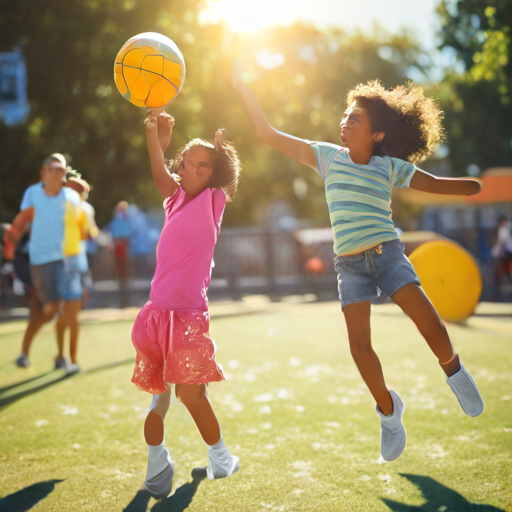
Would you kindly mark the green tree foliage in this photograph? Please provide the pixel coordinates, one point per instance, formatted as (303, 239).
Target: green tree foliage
(477, 102)
(299, 74)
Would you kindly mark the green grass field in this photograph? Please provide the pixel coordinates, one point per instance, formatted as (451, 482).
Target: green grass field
(293, 408)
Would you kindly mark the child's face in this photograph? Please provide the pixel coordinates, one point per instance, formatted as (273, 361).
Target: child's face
(195, 170)
(53, 174)
(356, 129)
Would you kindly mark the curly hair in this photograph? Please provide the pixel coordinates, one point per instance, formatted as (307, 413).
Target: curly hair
(410, 120)
(225, 162)
(75, 181)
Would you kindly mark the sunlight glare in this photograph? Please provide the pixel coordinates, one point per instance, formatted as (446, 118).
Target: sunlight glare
(251, 15)
(392, 15)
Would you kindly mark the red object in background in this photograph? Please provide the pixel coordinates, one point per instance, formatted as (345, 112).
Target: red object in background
(315, 266)
(121, 251)
(8, 247)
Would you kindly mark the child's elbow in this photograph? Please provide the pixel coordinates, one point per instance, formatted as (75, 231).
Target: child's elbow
(476, 187)
(265, 134)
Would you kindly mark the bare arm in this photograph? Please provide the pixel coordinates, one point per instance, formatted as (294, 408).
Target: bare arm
(19, 223)
(291, 146)
(156, 130)
(426, 182)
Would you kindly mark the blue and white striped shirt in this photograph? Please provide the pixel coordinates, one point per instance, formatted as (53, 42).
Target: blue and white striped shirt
(359, 196)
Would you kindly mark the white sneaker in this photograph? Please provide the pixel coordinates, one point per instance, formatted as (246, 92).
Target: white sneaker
(73, 368)
(161, 485)
(466, 391)
(392, 431)
(221, 463)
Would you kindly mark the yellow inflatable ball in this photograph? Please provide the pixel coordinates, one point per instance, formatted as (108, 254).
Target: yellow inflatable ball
(149, 70)
(450, 277)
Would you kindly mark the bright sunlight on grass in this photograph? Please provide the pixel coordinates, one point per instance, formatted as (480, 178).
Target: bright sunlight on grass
(293, 408)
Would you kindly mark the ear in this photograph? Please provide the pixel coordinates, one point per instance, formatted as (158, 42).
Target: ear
(378, 136)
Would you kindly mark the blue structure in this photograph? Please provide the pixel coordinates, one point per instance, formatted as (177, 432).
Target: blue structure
(14, 104)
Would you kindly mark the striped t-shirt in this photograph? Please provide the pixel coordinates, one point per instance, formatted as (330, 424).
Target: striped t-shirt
(359, 196)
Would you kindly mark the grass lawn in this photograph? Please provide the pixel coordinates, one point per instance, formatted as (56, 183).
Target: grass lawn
(293, 408)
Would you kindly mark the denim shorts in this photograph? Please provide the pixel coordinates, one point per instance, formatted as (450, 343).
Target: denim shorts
(73, 289)
(49, 281)
(381, 269)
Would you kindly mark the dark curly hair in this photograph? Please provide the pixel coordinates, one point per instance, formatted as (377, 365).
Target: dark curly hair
(225, 162)
(410, 120)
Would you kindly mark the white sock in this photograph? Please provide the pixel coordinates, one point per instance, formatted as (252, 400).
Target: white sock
(220, 461)
(158, 459)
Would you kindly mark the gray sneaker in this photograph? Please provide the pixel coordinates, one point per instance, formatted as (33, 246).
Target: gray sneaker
(60, 362)
(466, 391)
(392, 431)
(161, 485)
(22, 361)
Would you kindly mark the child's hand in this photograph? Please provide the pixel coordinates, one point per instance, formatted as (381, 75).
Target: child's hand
(151, 124)
(165, 126)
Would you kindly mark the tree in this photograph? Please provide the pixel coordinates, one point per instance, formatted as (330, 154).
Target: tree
(300, 75)
(477, 101)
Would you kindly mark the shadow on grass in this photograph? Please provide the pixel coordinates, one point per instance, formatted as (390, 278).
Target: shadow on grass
(41, 382)
(22, 382)
(438, 497)
(27, 498)
(177, 502)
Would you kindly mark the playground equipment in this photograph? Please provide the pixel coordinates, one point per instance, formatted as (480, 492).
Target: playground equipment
(449, 276)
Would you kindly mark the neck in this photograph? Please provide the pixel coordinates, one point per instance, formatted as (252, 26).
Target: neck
(53, 189)
(362, 156)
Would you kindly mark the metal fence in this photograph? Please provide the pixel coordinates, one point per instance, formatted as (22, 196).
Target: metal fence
(255, 260)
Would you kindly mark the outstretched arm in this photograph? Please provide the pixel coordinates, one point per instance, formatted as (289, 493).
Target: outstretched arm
(426, 182)
(19, 223)
(296, 148)
(158, 134)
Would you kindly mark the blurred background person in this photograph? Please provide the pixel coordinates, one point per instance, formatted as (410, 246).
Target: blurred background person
(22, 266)
(121, 232)
(77, 273)
(57, 227)
(502, 254)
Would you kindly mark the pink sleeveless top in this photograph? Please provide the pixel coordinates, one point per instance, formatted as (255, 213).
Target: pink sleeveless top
(185, 250)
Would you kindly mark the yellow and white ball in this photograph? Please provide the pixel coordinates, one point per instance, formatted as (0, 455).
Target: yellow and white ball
(149, 70)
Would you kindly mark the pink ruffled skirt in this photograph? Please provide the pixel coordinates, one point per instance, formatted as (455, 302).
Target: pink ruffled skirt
(173, 347)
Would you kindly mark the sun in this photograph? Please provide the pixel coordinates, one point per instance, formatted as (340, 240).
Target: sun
(250, 15)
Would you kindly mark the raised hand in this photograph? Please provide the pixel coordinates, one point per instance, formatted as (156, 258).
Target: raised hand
(151, 123)
(165, 126)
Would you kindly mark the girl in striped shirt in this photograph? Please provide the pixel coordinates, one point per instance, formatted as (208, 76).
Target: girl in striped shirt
(384, 133)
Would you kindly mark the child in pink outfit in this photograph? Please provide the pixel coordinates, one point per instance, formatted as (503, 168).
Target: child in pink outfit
(171, 332)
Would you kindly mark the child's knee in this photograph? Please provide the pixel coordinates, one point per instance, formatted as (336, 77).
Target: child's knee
(360, 348)
(188, 394)
(160, 404)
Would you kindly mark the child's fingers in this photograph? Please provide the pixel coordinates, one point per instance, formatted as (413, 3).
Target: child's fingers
(150, 122)
(168, 118)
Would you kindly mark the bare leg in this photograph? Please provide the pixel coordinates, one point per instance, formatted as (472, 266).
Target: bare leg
(60, 331)
(419, 309)
(154, 424)
(73, 307)
(195, 400)
(154, 429)
(35, 321)
(160, 471)
(357, 318)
